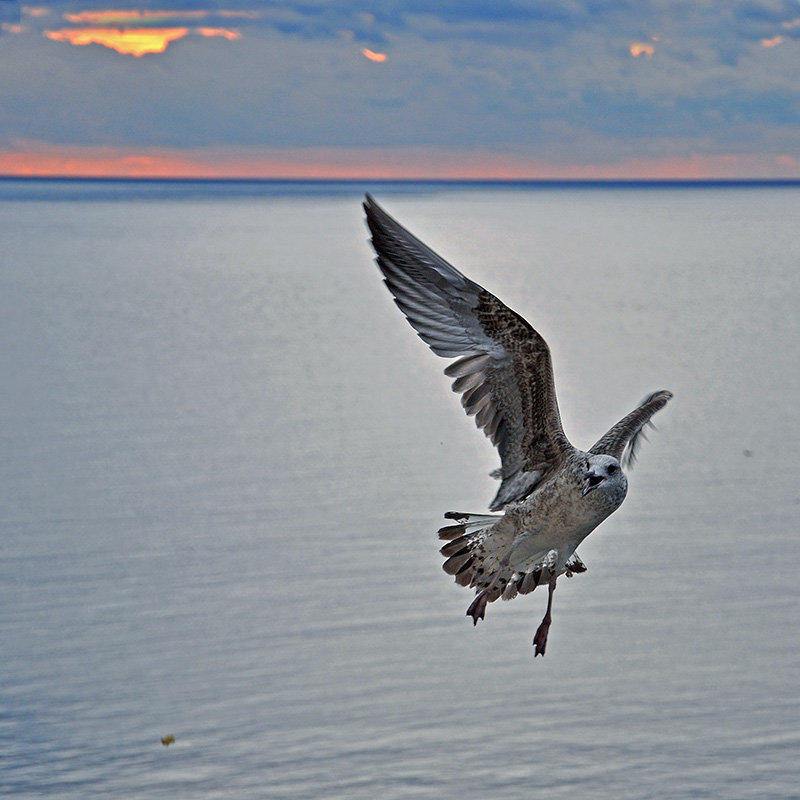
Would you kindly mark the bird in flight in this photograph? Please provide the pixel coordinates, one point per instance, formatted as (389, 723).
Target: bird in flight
(552, 494)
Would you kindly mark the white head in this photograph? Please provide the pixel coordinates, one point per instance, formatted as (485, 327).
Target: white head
(605, 475)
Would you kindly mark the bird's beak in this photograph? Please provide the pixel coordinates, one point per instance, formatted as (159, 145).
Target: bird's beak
(593, 480)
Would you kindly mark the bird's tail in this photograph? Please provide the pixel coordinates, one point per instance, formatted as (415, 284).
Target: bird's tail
(464, 551)
(476, 555)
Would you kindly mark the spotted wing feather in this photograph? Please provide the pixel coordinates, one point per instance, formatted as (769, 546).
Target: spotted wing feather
(503, 370)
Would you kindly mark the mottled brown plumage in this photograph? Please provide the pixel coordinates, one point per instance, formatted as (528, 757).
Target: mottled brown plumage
(553, 494)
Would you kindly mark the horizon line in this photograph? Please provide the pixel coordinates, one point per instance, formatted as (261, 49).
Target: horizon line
(765, 181)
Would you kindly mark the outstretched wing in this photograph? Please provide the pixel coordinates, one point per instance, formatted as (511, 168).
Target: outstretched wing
(629, 430)
(504, 372)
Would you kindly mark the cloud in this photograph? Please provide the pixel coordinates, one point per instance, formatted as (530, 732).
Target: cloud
(373, 56)
(35, 11)
(548, 82)
(642, 49)
(134, 41)
(225, 33)
(138, 33)
(132, 17)
(131, 41)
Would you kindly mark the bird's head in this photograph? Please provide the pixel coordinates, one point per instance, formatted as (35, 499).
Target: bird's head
(605, 474)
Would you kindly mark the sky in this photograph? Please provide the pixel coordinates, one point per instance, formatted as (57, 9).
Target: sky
(452, 89)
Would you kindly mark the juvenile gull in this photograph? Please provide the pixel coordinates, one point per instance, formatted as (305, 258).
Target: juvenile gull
(552, 495)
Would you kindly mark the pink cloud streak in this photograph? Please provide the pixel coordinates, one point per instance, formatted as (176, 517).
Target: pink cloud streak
(43, 160)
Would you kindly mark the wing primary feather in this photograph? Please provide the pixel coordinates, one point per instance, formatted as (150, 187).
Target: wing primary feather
(490, 429)
(476, 395)
(483, 416)
(467, 382)
(467, 365)
(626, 435)
(502, 366)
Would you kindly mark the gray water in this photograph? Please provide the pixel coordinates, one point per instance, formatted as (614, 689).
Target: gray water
(225, 455)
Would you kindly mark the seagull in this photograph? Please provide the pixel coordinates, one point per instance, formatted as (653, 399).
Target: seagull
(552, 494)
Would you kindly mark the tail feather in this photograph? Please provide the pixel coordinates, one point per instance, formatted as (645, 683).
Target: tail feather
(466, 524)
(457, 563)
(457, 546)
(477, 555)
(465, 552)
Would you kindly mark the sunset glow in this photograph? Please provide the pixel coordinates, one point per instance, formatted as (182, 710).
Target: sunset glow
(224, 32)
(642, 49)
(242, 89)
(373, 56)
(131, 41)
(40, 160)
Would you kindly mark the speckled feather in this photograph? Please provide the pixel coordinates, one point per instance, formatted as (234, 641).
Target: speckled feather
(552, 494)
(504, 370)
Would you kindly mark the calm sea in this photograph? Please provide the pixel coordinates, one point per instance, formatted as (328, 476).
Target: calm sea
(225, 455)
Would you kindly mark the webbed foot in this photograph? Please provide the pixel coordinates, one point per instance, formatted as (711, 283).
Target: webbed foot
(540, 638)
(477, 608)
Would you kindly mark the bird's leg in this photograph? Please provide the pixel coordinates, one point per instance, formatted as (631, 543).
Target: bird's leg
(477, 608)
(540, 639)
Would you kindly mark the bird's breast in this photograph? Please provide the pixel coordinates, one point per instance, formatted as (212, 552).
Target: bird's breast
(560, 516)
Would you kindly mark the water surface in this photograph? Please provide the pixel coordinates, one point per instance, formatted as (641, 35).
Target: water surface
(225, 456)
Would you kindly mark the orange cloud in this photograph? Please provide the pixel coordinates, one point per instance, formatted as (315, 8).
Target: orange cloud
(133, 41)
(642, 49)
(773, 42)
(372, 56)
(227, 34)
(10, 27)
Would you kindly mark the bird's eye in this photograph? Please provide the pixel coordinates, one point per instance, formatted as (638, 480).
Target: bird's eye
(612, 468)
